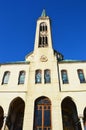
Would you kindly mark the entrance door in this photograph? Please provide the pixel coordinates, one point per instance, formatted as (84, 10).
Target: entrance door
(42, 114)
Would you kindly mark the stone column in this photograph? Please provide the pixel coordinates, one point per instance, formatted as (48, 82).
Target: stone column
(81, 121)
(56, 115)
(4, 122)
(29, 114)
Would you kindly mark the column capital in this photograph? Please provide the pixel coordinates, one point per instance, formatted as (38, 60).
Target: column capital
(5, 115)
(80, 116)
(81, 121)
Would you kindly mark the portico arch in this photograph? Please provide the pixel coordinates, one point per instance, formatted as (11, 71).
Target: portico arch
(69, 115)
(16, 114)
(1, 117)
(84, 117)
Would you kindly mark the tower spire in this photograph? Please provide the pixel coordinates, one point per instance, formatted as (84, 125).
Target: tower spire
(43, 13)
(43, 38)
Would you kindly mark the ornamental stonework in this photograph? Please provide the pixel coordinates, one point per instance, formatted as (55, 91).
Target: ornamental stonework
(43, 58)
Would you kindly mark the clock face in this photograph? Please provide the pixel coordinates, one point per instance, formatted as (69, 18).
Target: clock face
(44, 58)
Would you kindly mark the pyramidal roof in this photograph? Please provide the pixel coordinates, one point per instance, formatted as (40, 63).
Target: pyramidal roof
(43, 13)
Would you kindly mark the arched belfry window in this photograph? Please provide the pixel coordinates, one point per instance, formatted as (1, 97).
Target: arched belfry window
(6, 77)
(43, 37)
(38, 76)
(43, 41)
(81, 75)
(47, 76)
(42, 114)
(64, 76)
(21, 78)
(43, 27)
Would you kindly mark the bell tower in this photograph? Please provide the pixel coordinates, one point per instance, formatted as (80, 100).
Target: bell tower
(43, 48)
(43, 32)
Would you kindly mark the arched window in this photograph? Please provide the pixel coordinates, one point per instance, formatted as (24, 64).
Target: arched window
(38, 76)
(47, 77)
(42, 114)
(43, 27)
(64, 76)
(21, 77)
(43, 41)
(81, 76)
(43, 38)
(6, 77)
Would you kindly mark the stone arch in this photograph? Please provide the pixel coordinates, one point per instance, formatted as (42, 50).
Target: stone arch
(84, 117)
(43, 26)
(42, 113)
(1, 117)
(69, 115)
(16, 114)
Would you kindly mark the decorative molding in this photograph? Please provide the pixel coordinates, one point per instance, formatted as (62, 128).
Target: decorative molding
(44, 58)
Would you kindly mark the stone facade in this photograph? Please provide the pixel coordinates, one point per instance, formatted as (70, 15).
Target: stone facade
(60, 86)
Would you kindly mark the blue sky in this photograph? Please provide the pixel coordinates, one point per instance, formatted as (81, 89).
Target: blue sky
(18, 25)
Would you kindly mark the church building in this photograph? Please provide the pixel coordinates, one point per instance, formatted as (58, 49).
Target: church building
(44, 92)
